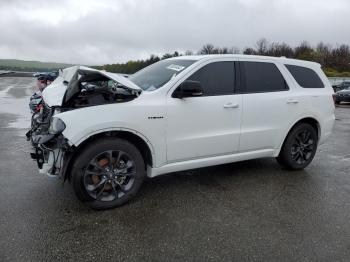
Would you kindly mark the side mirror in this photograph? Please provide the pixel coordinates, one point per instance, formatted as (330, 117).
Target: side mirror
(188, 89)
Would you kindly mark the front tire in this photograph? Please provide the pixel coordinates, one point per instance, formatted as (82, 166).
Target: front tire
(299, 148)
(108, 173)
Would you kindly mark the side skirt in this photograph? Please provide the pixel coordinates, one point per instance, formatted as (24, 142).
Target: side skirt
(211, 161)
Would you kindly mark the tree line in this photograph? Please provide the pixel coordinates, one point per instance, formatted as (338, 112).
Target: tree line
(335, 61)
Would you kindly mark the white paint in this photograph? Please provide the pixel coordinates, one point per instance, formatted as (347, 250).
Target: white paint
(201, 131)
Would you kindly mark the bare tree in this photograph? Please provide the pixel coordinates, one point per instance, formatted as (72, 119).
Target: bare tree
(207, 49)
(262, 46)
(341, 58)
(277, 49)
(304, 51)
(323, 54)
(249, 51)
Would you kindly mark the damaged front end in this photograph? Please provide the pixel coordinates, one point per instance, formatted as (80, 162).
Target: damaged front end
(75, 88)
(50, 148)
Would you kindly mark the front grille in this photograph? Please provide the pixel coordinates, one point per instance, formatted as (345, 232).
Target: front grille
(41, 120)
(46, 113)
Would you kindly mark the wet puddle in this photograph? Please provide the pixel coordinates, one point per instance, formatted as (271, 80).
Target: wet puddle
(14, 99)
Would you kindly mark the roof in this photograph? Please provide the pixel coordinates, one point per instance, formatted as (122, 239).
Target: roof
(282, 59)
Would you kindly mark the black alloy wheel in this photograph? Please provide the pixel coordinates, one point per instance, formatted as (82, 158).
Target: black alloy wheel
(299, 148)
(107, 173)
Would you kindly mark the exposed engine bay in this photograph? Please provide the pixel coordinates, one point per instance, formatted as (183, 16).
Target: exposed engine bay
(85, 87)
(98, 90)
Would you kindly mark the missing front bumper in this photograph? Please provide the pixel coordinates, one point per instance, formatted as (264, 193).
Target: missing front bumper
(49, 153)
(38, 156)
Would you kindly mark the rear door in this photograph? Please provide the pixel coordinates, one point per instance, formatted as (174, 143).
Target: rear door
(269, 104)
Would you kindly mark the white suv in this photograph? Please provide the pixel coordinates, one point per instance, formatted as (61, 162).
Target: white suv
(106, 133)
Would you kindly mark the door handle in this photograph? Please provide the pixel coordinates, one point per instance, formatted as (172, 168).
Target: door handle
(231, 105)
(292, 101)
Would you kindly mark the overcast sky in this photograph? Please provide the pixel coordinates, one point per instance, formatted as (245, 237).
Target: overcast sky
(110, 31)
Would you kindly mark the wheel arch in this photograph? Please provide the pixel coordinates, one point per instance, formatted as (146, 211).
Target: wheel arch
(309, 120)
(134, 138)
(313, 122)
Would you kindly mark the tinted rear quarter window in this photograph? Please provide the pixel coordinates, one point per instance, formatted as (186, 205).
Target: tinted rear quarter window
(261, 77)
(305, 77)
(216, 78)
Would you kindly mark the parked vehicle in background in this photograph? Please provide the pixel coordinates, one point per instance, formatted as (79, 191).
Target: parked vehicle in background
(52, 74)
(43, 80)
(180, 113)
(341, 86)
(35, 102)
(342, 96)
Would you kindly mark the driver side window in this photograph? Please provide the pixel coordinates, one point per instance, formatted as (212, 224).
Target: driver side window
(216, 78)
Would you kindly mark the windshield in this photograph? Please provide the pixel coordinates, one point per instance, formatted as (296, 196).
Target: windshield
(158, 74)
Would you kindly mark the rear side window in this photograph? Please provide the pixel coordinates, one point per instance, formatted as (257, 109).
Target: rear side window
(216, 78)
(261, 77)
(305, 77)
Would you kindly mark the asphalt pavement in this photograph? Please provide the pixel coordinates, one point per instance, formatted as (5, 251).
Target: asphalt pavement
(246, 211)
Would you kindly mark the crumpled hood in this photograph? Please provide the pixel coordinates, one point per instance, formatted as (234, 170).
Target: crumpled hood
(55, 93)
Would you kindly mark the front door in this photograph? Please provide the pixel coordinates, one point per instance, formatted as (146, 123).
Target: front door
(207, 125)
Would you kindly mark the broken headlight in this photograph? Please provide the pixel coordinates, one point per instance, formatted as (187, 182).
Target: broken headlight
(56, 126)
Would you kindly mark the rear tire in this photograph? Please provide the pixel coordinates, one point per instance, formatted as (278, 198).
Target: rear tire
(108, 173)
(299, 148)
(337, 102)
